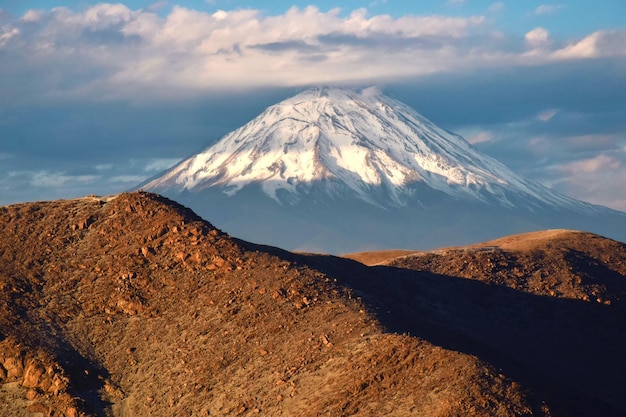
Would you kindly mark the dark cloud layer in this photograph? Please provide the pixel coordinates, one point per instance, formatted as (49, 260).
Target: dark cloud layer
(510, 94)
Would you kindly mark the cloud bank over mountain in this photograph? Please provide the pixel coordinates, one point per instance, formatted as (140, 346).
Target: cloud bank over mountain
(116, 52)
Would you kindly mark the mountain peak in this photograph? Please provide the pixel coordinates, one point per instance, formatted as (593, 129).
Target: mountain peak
(336, 94)
(341, 142)
(337, 170)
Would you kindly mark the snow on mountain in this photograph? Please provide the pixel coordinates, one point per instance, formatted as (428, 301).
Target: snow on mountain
(355, 141)
(337, 171)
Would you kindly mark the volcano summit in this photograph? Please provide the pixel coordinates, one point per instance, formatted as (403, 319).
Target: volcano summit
(336, 170)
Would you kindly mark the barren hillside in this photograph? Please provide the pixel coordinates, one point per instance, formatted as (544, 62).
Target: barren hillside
(134, 306)
(554, 301)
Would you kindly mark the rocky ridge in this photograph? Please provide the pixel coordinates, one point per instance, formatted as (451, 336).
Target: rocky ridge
(133, 305)
(555, 300)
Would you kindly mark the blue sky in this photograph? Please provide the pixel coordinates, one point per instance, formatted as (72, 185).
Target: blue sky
(566, 18)
(96, 97)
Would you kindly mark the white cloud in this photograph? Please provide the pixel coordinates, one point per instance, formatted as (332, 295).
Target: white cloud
(112, 51)
(597, 45)
(538, 144)
(6, 34)
(546, 115)
(46, 179)
(127, 180)
(103, 167)
(548, 9)
(159, 5)
(496, 7)
(49, 184)
(537, 38)
(32, 15)
(372, 91)
(158, 165)
(592, 165)
(480, 137)
(599, 179)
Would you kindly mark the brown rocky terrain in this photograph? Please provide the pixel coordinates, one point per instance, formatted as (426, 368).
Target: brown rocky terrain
(554, 301)
(134, 306)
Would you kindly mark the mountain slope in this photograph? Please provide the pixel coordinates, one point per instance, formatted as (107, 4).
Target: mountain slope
(581, 274)
(334, 170)
(360, 141)
(133, 305)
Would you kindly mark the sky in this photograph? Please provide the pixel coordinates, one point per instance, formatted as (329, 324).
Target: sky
(97, 97)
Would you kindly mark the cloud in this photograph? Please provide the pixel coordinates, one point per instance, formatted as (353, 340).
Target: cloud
(595, 179)
(6, 34)
(587, 167)
(545, 9)
(46, 179)
(372, 91)
(596, 142)
(43, 185)
(496, 7)
(33, 16)
(592, 165)
(160, 164)
(537, 38)
(546, 115)
(295, 46)
(596, 45)
(158, 5)
(46, 184)
(127, 181)
(480, 137)
(111, 52)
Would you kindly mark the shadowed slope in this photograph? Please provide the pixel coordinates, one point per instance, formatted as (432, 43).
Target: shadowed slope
(552, 302)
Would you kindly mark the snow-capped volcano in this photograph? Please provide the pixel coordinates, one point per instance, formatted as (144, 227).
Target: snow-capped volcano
(357, 142)
(319, 166)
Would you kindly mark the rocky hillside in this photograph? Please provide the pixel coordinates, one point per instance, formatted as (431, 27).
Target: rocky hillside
(555, 301)
(134, 306)
(557, 263)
